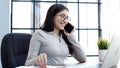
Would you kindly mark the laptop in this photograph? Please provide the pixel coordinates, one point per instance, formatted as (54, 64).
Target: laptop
(113, 54)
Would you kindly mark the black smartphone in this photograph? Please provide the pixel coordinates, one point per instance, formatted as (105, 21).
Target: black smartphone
(68, 28)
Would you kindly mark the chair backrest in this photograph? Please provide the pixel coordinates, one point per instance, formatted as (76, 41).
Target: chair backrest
(14, 49)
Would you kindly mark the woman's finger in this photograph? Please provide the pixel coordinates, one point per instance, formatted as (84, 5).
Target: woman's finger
(45, 59)
(38, 60)
(66, 33)
(41, 62)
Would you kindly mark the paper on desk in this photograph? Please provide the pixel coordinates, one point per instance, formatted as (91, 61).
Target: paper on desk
(39, 67)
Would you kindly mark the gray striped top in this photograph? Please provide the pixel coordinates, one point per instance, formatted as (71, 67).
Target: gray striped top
(55, 48)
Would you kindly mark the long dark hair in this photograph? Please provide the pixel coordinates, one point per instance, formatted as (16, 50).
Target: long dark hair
(48, 25)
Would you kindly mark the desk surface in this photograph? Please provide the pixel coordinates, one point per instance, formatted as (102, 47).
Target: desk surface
(70, 62)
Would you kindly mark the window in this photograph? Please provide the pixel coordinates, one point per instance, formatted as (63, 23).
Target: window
(29, 15)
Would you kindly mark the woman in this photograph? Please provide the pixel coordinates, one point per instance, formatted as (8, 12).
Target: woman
(51, 44)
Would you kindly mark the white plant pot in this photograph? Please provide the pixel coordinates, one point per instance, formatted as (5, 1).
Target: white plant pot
(102, 54)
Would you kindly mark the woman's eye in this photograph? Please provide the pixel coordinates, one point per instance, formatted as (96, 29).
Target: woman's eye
(63, 16)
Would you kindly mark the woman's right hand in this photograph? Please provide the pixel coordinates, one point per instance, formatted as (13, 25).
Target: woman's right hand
(42, 60)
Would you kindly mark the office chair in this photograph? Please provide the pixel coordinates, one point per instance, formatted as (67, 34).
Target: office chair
(14, 49)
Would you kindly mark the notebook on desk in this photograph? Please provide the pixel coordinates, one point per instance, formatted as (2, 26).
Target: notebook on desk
(112, 56)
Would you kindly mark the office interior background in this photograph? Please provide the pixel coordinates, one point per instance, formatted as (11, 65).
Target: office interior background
(92, 18)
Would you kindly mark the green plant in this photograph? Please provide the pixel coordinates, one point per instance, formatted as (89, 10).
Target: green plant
(103, 44)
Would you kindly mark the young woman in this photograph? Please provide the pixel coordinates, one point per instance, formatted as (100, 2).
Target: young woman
(51, 44)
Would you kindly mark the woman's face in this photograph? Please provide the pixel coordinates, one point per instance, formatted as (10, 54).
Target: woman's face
(60, 20)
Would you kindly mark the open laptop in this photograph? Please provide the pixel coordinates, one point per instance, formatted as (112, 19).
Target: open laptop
(113, 54)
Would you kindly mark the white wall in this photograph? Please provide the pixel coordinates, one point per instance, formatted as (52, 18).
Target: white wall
(4, 20)
(110, 18)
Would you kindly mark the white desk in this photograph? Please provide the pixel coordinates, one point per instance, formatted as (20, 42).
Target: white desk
(90, 61)
(70, 62)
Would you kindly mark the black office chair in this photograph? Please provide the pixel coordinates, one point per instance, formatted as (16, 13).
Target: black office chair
(14, 49)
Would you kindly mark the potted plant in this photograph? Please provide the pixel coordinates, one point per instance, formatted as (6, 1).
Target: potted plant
(103, 45)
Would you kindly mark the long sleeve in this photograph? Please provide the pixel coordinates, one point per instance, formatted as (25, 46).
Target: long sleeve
(48, 43)
(78, 52)
(33, 50)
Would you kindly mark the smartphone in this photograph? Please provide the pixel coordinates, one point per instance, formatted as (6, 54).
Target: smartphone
(68, 28)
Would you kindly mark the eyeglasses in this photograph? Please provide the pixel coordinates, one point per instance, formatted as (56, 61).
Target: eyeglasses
(63, 17)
